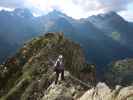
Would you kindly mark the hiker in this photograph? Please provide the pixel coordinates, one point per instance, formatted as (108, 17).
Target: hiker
(59, 68)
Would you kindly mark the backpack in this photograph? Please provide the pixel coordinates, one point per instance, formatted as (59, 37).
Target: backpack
(59, 66)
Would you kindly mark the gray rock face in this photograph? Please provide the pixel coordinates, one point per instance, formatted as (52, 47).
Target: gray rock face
(63, 90)
(103, 92)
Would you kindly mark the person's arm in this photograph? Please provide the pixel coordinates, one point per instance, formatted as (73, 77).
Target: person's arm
(55, 64)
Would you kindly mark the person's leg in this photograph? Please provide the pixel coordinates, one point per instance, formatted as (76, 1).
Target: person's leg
(62, 75)
(57, 76)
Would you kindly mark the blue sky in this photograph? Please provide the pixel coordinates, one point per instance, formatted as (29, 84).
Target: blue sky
(128, 14)
(74, 8)
(130, 6)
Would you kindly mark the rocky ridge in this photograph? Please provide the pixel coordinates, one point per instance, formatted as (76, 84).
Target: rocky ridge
(29, 75)
(103, 92)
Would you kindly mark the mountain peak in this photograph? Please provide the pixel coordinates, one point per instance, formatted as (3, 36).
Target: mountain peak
(23, 12)
(109, 14)
(105, 15)
(56, 14)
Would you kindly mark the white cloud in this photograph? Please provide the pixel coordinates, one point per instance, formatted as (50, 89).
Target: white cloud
(7, 9)
(128, 15)
(12, 3)
(104, 5)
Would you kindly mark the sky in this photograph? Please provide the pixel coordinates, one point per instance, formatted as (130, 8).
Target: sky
(74, 8)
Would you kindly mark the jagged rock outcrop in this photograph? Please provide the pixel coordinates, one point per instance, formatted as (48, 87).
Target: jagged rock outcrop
(103, 92)
(120, 72)
(29, 75)
(71, 89)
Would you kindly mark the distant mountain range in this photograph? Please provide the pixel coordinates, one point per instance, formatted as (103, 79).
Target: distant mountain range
(104, 38)
(114, 26)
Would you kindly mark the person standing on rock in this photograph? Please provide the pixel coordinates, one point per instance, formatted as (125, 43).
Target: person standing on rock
(59, 68)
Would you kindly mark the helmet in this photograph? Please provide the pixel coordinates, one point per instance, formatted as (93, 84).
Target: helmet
(60, 56)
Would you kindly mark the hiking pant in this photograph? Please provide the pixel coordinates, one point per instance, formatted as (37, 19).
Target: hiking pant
(58, 72)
